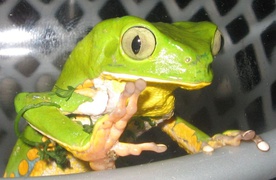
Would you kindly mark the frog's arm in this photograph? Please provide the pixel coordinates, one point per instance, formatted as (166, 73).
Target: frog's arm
(25, 160)
(47, 119)
(93, 147)
(194, 140)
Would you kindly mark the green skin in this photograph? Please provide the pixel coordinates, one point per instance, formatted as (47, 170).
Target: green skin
(101, 51)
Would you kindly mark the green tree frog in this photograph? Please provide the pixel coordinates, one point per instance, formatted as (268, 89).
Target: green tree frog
(116, 84)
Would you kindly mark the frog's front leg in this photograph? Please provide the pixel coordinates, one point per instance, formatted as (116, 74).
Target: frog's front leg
(193, 140)
(234, 138)
(105, 145)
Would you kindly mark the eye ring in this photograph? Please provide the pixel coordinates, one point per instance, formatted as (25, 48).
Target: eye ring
(138, 42)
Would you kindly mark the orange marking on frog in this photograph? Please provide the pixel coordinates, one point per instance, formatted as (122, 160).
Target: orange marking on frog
(86, 89)
(38, 168)
(180, 131)
(86, 84)
(23, 167)
(32, 154)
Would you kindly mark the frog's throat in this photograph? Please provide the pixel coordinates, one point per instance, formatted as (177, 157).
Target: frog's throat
(127, 77)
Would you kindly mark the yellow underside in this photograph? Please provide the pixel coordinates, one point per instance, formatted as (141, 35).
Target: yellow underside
(156, 100)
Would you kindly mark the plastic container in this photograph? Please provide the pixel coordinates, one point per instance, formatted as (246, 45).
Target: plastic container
(36, 38)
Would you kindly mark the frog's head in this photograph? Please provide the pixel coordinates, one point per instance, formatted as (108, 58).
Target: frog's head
(181, 53)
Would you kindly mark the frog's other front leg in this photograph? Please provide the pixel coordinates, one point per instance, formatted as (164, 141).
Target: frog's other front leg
(193, 140)
(106, 146)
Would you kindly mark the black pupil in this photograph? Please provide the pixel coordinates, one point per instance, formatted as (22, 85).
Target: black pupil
(136, 44)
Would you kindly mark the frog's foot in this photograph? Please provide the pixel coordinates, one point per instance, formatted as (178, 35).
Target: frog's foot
(234, 138)
(111, 128)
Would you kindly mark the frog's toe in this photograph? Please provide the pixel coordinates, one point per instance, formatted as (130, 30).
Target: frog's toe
(261, 144)
(125, 149)
(207, 149)
(140, 84)
(130, 94)
(235, 137)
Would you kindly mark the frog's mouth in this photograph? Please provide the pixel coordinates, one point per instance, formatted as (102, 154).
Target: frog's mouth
(176, 83)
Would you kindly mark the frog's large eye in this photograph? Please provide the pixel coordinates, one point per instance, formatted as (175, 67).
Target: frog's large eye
(217, 43)
(138, 43)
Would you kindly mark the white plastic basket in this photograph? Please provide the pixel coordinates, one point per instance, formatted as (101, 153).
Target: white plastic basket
(242, 96)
